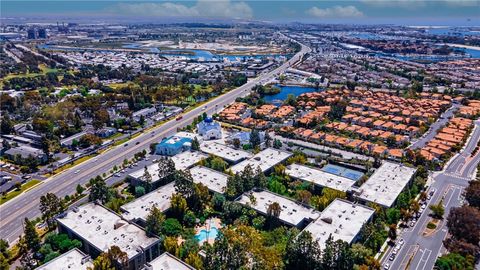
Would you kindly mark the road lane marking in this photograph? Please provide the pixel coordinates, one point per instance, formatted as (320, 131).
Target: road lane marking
(412, 250)
(428, 252)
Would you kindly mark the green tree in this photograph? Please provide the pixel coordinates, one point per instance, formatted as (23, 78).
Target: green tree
(147, 178)
(178, 205)
(166, 169)
(6, 124)
(171, 245)
(195, 144)
(303, 252)
(4, 249)
(472, 194)
(260, 180)
(195, 261)
(337, 255)
(171, 227)
(108, 260)
(50, 206)
(239, 246)
(455, 261)
(247, 178)
(99, 190)
(254, 138)
(277, 144)
(79, 189)
(360, 253)
(4, 265)
(27, 259)
(32, 240)
(437, 210)
(153, 222)
(201, 197)
(392, 232)
(218, 164)
(184, 183)
(139, 191)
(217, 201)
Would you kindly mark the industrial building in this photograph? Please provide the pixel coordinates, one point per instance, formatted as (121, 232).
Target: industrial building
(99, 229)
(386, 183)
(342, 220)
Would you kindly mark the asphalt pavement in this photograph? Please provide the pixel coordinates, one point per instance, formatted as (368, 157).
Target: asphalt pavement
(433, 130)
(26, 205)
(420, 250)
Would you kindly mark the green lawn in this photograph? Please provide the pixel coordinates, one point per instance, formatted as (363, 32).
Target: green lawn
(12, 194)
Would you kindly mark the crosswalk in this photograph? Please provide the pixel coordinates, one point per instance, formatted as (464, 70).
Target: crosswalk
(457, 176)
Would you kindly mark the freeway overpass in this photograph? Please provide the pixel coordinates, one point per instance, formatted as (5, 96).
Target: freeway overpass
(14, 211)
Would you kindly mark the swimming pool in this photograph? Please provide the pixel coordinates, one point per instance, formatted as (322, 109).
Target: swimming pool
(204, 235)
(342, 171)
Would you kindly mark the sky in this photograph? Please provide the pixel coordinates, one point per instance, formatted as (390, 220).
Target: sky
(408, 12)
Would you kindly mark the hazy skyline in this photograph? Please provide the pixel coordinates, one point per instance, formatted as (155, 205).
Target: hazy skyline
(441, 12)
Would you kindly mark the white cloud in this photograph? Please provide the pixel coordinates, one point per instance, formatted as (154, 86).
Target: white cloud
(419, 3)
(335, 12)
(203, 8)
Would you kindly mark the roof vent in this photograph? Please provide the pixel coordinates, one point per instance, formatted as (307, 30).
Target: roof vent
(327, 220)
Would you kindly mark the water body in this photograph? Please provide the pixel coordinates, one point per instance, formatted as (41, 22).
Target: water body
(205, 235)
(200, 55)
(204, 55)
(278, 99)
(452, 31)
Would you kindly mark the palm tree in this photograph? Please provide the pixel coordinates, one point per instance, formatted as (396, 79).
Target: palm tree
(274, 210)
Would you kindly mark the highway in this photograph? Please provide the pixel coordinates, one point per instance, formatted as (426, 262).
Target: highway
(420, 251)
(26, 205)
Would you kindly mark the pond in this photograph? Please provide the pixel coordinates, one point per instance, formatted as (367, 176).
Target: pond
(278, 99)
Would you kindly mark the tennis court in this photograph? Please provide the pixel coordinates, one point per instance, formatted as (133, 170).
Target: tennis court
(342, 171)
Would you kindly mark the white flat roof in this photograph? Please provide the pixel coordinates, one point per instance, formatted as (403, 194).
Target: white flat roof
(103, 228)
(187, 159)
(319, 177)
(140, 208)
(266, 159)
(167, 261)
(341, 219)
(214, 180)
(293, 213)
(223, 151)
(182, 161)
(386, 183)
(71, 260)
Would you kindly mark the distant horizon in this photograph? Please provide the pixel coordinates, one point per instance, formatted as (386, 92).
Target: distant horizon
(360, 12)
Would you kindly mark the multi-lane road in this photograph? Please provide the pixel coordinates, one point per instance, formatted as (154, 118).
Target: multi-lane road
(26, 205)
(420, 250)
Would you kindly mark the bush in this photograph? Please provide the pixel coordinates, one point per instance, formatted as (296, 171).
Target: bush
(171, 227)
(139, 191)
(431, 225)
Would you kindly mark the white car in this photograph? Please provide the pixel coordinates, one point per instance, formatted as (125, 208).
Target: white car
(401, 241)
(77, 171)
(386, 266)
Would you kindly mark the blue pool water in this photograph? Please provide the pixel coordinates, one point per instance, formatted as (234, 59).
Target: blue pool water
(278, 99)
(204, 235)
(342, 171)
